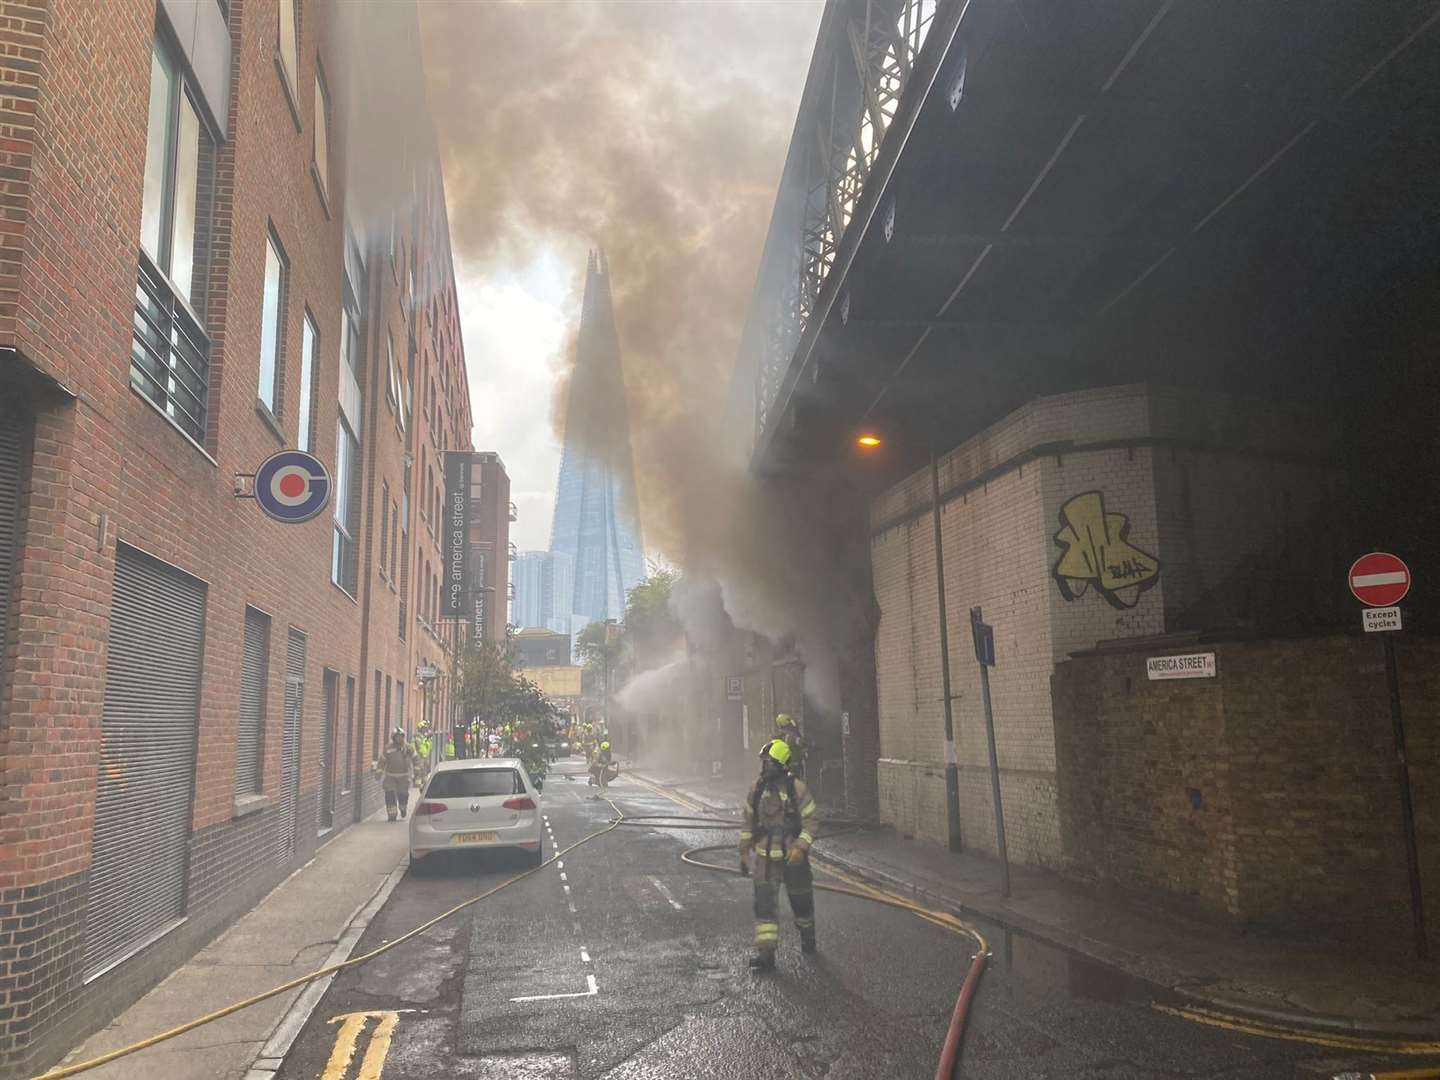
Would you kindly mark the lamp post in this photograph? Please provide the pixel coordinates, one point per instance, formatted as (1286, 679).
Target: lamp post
(871, 441)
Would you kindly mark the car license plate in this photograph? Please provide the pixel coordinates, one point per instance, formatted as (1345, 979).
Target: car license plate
(473, 838)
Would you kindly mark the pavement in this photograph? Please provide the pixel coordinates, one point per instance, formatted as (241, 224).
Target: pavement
(1299, 982)
(620, 961)
(305, 923)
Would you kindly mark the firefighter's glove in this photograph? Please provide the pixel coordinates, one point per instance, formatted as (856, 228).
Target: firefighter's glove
(744, 864)
(795, 856)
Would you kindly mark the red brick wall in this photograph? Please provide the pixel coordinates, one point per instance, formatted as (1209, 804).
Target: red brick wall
(1266, 795)
(108, 467)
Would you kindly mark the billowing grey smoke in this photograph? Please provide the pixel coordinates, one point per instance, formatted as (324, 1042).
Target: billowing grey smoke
(656, 131)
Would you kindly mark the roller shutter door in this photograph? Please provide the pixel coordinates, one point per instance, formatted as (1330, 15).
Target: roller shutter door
(9, 511)
(145, 786)
(250, 734)
(290, 744)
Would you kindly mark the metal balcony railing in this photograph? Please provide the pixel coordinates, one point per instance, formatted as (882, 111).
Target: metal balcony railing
(169, 352)
(514, 514)
(514, 551)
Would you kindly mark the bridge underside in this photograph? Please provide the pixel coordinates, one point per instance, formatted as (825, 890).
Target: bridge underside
(1227, 195)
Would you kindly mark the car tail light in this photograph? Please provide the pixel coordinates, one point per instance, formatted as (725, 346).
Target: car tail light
(425, 808)
(524, 802)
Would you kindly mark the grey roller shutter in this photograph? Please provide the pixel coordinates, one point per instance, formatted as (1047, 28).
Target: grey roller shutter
(9, 511)
(145, 787)
(290, 744)
(250, 735)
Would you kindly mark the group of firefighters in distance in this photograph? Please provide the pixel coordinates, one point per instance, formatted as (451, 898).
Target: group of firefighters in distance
(778, 830)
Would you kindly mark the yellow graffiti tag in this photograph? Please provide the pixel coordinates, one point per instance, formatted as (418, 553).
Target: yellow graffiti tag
(347, 1039)
(1098, 552)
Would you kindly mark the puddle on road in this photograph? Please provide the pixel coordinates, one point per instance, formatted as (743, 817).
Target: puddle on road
(1042, 966)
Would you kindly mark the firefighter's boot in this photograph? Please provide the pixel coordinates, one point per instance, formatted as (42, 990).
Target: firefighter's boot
(807, 939)
(763, 961)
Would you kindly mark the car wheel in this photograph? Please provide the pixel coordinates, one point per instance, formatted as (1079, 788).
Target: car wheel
(537, 858)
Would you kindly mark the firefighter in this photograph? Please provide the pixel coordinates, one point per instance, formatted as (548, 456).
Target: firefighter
(394, 766)
(787, 731)
(779, 827)
(603, 765)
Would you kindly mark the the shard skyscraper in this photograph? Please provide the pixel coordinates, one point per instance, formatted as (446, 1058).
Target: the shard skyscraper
(597, 520)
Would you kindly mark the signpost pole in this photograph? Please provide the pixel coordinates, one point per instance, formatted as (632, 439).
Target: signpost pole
(977, 621)
(952, 773)
(1407, 807)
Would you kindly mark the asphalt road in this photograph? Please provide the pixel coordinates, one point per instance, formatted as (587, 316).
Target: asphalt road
(627, 964)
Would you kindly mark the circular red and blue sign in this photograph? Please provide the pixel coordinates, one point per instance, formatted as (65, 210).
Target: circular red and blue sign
(292, 486)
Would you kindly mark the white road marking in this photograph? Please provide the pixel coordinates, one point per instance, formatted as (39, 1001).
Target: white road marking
(560, 863)
(566, 888)
(584, 956)
(571, 906)
(663, 891)
(589, 981)
(576, 925)
(562, 875)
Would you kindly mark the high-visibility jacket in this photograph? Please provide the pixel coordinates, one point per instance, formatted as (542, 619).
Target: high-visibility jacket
(395, 765)
(779, 814)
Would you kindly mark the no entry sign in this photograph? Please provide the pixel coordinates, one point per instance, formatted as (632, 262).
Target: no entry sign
(1379, 579)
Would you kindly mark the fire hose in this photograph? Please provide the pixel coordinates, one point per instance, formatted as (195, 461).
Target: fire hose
(950, 1054)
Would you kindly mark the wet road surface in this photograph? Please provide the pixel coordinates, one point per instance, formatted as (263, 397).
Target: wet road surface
(627, 964)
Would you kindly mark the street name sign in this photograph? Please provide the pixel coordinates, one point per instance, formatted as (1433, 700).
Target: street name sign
(1378, 620)
(1185, 666)
(1379, 579)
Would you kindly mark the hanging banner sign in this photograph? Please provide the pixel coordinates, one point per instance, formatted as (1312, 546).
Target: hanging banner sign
(456, 523)
(292, 486)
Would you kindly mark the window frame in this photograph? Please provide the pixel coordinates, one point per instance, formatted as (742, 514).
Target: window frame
(289, 67)
(320, 154)
(309, 384)
(274, 407)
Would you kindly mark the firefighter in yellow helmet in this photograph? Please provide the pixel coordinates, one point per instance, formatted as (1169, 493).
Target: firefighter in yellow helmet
(786, 730)
(779, 828)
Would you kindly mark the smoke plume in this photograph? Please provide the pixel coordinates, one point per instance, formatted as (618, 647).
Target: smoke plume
(656, 131)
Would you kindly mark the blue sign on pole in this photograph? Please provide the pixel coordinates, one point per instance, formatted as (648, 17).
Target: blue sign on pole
(984, 635)
(292, 486)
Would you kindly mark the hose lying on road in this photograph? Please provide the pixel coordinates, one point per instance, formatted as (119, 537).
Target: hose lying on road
(860, 890)
(950, 1054)
(209, 1018)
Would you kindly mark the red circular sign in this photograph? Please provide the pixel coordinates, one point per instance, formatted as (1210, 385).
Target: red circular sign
(1379, 579)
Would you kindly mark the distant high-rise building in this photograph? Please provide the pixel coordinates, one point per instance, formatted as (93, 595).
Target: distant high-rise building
(597, 521)
(544, 589)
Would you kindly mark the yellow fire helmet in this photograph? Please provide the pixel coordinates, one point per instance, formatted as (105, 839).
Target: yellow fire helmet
(784, 720)
(604, 746)
(779, 751)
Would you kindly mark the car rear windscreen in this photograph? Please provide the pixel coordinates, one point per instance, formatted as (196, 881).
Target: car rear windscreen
(464, 783)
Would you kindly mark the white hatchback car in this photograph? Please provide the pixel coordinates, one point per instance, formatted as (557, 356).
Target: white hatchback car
(474, 804)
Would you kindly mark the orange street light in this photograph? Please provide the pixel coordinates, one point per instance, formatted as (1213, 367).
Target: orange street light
(868, 441)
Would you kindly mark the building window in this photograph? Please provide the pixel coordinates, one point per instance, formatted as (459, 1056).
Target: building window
(400, 705)
(404, 554)
(305, 438)
(392, 385)
(321, 148)
(288, 38)
(170, 351)
(272, 326)
(375, 727)
(384, 524)
(394, 537)
(344, 563)
(254, 677)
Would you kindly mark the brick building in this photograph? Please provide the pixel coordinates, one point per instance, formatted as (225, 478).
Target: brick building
(1201, 489)
(218, 245)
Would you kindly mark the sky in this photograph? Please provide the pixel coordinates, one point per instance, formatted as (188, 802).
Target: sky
(656, 130)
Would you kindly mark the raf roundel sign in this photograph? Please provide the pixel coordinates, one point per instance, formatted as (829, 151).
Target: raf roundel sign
(292, 486)
(1379, 579)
